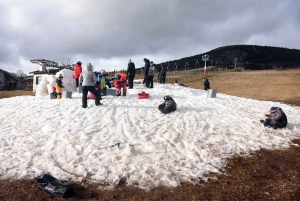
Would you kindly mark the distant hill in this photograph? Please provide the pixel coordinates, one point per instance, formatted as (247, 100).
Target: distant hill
(261, 57)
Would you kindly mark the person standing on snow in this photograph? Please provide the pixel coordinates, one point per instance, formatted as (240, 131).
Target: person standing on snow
(59, 86)
(101, 81)
(150, 76)
(88, 79)
(77, 72)
(276, 119)
(147, 66)
(162, 76)
(130, 73)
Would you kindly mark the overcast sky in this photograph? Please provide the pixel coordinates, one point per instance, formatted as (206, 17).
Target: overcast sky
(107, 33)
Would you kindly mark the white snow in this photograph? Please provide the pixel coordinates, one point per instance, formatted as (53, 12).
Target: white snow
(39, 135)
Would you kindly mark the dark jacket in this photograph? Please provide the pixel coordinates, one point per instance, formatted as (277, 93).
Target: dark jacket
(206, 84)
(147, 66)
(131, 69)
(279, 115)
(168, 106)
(162, 75)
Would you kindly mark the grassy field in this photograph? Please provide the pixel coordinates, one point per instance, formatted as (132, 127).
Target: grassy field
(8, 94)
(266, 175)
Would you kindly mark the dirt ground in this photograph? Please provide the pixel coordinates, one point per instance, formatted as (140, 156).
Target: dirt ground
(265, 175)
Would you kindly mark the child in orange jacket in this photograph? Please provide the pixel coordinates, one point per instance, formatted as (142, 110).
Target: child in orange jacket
(120, 82)
(59, 86)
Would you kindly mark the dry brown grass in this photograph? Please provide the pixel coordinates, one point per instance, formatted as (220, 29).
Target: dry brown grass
(8, 94)
(266, 175)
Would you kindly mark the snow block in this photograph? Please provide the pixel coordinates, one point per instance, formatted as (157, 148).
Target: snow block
(51, 96)
(66, 94)
(111, 92)
(55, 186)
(211, 93)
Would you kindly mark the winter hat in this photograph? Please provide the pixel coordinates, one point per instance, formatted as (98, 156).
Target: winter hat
(273, 109)
(60, 76)
(79, 62)
(167, 97)
(116, 76)
(103, 71)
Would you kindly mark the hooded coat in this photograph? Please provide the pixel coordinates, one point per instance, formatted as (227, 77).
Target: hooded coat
(87, 77)
(279, 115)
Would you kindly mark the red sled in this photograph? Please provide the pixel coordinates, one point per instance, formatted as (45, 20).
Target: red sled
(143, 95)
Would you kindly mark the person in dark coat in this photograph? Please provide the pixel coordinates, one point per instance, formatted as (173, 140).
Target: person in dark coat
(162, 76)
(151, 73)
(130, 74)
(179, 83)
(276, 119)
(206, 84)
(147, 66)
(168, 106)
(88, 80)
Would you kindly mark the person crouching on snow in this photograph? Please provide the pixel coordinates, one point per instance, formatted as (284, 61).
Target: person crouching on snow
(120, 80)
(88, 79)
(168, 106)
(179, 83)
(276, 118)
(206, 84)
(59, 86)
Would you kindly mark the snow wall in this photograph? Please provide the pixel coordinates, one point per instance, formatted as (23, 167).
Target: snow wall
(49, 81)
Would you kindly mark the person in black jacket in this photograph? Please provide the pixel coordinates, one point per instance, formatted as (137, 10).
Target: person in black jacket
(179, 83)
(276, 119)
(206, 84)
(168, 106)
(147, 66)
(162, 76)
(130, 74)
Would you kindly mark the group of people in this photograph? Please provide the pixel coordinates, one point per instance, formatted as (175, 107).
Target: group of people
(149, 73)
(91, 81)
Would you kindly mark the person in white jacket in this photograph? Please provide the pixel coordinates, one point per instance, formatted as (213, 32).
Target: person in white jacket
(88, 79)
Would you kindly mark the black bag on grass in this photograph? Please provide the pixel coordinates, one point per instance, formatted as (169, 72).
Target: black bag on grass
(55, 186)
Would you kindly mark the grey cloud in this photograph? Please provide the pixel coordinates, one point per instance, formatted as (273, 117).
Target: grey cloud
(106, 29)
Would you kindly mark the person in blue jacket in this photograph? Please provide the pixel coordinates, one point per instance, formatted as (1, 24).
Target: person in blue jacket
(102, 81)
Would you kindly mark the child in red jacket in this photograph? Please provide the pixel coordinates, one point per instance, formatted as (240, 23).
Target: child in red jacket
(77, 72)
